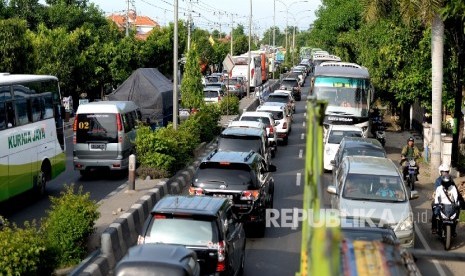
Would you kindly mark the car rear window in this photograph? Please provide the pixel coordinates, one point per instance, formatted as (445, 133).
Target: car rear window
(184, 231)
(335, 137)
(279, 99)
(364, 151)
(239, 143)
(210, 94)
(263, 120)
(277, 114)
(290, 83)
(213, 178)
(93, 127)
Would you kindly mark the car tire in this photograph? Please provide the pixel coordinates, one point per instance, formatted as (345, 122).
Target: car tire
(286, 141)
(84, 173)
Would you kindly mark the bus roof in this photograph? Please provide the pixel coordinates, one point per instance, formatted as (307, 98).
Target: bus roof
(341, 71)
(107, 107)
(7, 78)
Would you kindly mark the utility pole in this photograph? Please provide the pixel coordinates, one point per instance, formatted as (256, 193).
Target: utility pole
(189, 22)
(274, 23)
(127, 18)
(232, 28)
(249, 57)
(175, 67)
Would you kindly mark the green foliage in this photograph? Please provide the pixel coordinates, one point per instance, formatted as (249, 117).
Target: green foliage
(191, 85)
(229, 105)
(70, 221)
(165, 148)
(23, 251)
(15, 53)
(208, 117)
(154, 173)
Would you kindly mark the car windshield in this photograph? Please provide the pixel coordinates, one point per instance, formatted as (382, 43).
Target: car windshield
(335, 136)
(213, 178)
(239, 143)
(263, 120)
(374, 187)
(232, 81)
(364, 151)
(276, 98)
(180, 231)
(289, 83)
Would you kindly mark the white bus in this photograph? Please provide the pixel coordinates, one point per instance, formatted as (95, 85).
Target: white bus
(32, 144)
(348, 91)
(241, 66)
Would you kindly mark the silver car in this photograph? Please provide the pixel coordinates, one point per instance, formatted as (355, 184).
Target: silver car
(372, 187)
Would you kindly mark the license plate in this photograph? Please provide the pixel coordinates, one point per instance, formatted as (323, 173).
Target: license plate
(184, 113)
(223, 195)
(97, 146)
(413, 168)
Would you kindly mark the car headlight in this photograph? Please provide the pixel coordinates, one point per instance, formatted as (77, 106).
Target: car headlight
(406, 224)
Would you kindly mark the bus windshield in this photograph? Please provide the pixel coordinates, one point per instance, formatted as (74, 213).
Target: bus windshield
(345, 96)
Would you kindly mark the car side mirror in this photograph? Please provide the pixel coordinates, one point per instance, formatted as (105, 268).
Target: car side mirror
(331, 190)
(414, 195)
(332, 163)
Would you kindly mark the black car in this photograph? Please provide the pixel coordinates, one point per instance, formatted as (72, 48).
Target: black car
(158, 260)
(206, 225)
(292, 84)
(242, 177)
(244, 139)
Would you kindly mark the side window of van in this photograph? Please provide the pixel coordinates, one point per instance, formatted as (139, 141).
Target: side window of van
(127, 122)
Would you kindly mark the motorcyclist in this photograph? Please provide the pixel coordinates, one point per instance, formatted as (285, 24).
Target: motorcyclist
(446, 193)
(409, 151)
(444, 170)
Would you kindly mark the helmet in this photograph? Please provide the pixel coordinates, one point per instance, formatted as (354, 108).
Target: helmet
(411, 139)
(446, 181)
(444, 168)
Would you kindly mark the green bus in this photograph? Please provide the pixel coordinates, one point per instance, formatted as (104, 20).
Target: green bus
(32, 143)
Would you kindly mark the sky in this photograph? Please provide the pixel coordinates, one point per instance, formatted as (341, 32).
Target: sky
(206, 14)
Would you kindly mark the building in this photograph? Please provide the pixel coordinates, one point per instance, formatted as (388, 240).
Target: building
(142, 24)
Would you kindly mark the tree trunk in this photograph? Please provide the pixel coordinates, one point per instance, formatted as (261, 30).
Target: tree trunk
(437, 53)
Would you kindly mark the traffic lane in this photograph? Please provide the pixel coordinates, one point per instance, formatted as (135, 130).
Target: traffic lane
(278, 253)
(26, 208)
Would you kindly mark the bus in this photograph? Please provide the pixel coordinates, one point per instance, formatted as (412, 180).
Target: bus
(32, 143)
(348, 91)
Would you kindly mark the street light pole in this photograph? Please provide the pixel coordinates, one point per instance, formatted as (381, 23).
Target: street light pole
(274, 23)
(175, 67)
(249, 55)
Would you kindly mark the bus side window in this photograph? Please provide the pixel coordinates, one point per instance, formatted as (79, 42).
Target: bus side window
(36, 109)
(48, 106)
(2, 115)
(10, 114)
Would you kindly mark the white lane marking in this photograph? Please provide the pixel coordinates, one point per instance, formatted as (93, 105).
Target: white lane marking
(303, 124)
(302, 136)
(297, 180)
(305, 114)
(305, 106)
(425, 244)
(301, 153)
(69, 136)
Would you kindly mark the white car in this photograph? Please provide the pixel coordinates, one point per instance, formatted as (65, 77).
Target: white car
(282, 118)
(212, 94)
(333, 139)
(267, 119)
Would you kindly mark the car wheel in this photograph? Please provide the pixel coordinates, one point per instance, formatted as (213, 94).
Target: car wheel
(286, 140)
(84, 173)
(260, 230)
(41, 183)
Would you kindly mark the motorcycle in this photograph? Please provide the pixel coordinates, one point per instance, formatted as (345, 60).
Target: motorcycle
(447, 216)
(412, 171)
(380, 134)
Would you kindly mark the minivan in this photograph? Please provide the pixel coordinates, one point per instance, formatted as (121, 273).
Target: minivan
(104, 134)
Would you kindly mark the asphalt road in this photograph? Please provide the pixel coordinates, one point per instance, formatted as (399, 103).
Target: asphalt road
(278, 253)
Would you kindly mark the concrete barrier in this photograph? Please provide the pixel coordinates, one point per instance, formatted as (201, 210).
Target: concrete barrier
(110, 246)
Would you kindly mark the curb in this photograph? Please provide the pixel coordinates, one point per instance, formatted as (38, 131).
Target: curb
(122, 234)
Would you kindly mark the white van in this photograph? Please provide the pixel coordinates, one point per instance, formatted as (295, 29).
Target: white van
(104, 135)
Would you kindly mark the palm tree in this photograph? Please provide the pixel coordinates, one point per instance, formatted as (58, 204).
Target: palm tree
(428, 12)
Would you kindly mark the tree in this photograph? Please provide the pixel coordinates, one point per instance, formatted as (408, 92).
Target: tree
(16, 47)
(428, 12)
(191, 85)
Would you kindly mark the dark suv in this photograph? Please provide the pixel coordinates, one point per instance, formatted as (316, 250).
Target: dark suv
(206, 225)
(292, 84)
(244, 139)
(242, 177)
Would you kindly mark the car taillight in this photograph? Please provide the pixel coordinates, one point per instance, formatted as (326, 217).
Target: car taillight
(75, 123)
(119, 125)
(221, 266)
(271, 129)
(252, 72)
(285, 125)
(250, 195)
(196, 191)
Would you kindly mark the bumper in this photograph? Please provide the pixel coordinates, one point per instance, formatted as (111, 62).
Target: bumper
(116, 165)
(406, 238)
(282, 135)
